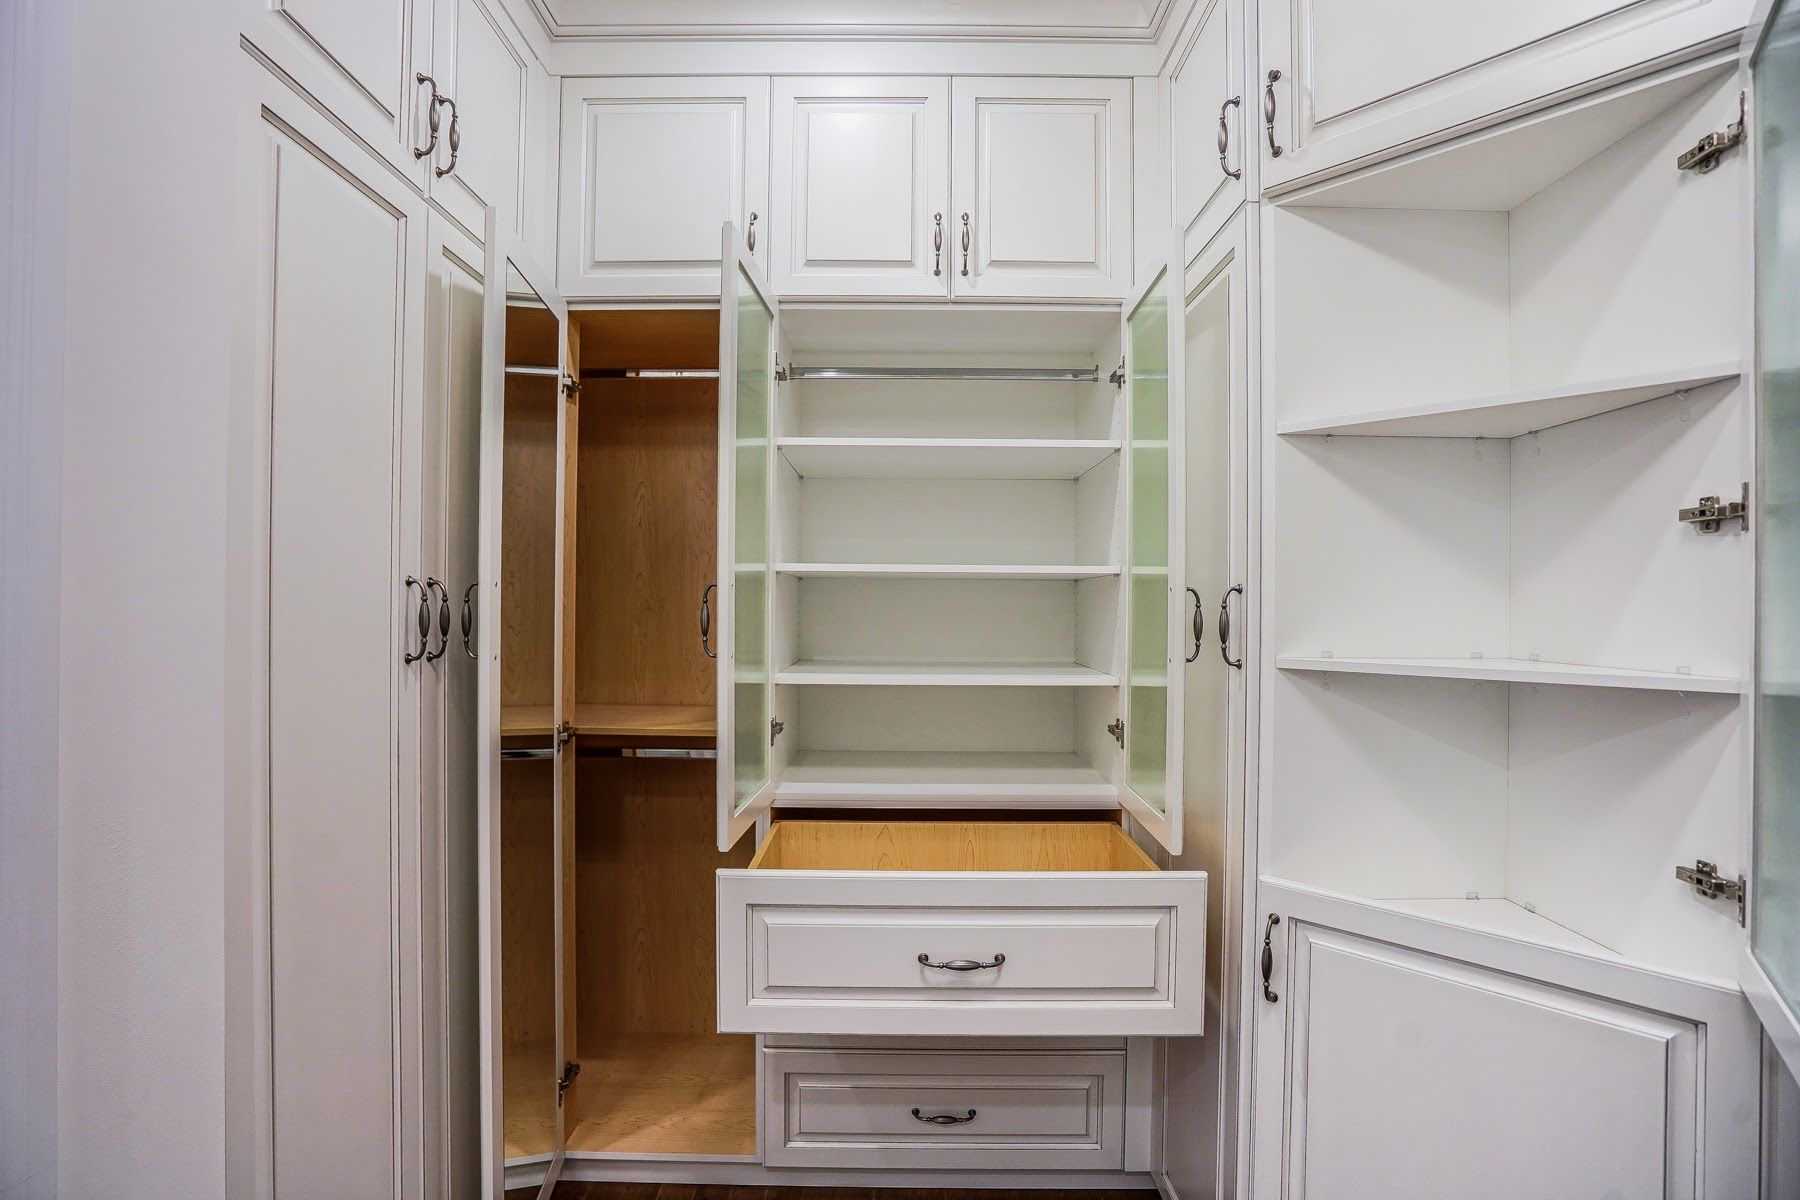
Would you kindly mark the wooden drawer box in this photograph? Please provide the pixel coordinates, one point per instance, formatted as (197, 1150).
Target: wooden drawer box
(964, 929)
(942, 1109)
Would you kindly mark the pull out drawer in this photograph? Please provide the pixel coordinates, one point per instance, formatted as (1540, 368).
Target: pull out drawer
(943, 1109)
(965, 929)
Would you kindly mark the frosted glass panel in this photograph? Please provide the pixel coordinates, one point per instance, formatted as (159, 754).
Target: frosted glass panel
(750, 573)
(1147, 450)
(1775, 936)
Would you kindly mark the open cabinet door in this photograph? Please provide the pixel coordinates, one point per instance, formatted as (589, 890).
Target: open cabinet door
(1771, 974)
(747, 728)
(524, 795)
(1155, 542)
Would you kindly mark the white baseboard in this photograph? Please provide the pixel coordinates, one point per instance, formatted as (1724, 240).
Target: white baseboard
(593, 1170)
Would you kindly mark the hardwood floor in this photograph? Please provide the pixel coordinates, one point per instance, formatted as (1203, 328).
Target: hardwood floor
(688, 1191)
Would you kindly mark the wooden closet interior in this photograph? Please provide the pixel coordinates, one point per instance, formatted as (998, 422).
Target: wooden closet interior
(636, 840)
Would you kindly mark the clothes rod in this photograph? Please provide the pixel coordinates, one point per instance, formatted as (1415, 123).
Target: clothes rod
(989, 374)
(523, 755)
(548, 372)
(651, 373)
(610, 752)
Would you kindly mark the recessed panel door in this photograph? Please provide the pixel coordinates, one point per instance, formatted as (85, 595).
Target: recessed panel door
(484, 67)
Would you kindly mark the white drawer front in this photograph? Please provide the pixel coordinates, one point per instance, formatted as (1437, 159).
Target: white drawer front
(1060, 955)
(873, 1109)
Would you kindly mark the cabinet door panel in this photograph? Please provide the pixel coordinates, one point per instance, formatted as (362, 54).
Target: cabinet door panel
(650, 169)
(357, 58)
(861, 187)
(1344, 95)
(484, 66)
(335, 337)
(1208, 75)
(1042, 174)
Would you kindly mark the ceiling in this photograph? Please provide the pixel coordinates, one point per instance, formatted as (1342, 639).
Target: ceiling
(1080, 20)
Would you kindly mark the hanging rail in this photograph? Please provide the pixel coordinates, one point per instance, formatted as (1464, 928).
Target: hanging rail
(990, 374)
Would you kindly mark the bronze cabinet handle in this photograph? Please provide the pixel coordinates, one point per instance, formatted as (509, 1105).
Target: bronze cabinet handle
(455, 139)
(435, 586)
(965, 245)
(468, 621)
(1269, 113)
(943, 1118)
(937, 244)
(424, 620)
(431, 115)
(1225, 138)
(962, 964)
(1268, 958)
(706, 620)
(1225, 626)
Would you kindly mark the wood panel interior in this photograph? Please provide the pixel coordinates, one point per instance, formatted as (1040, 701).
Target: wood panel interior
(657, 1077)
(528, 553)
(949, 846)
(528, 956)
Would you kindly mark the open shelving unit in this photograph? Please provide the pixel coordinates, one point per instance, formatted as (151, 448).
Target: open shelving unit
(947, 518)
(1505, 678)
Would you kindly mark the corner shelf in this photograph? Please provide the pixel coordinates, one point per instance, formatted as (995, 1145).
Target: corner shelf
(810, 570)
(1511, 414)
(944, 458)
(943, 674)
(852, 779)
(1517, 670)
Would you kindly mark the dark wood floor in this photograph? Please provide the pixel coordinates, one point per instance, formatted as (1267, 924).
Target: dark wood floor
(690, 1191)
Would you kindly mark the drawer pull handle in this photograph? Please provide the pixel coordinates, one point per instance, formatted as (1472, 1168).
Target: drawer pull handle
(943, 1118)
(961, 964)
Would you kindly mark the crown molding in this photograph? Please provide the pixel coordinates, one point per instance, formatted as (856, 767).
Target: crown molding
(1149, 32)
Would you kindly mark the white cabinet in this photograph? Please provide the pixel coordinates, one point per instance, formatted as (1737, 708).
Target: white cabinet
(1208, 126)
(1041, 187)
(1340, 90)
(485, 70)
(861, 187)
(649, 170)
(360, 59)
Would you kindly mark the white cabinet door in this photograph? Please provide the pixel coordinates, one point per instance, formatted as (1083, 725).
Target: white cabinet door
(861, 187)
(744, 633)
(650, 168)
(1041, 188)
(1339, 92)
(360, 59)
(331, 337)
(1413, 1060)
(1155, 341)
(484, 67)
(1207, 126)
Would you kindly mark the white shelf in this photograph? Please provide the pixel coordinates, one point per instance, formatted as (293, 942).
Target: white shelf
(1517, 670)
(850, 779)
(1500, 916)
(1510, 414)
(944, 458)
(944, 674)
(940, 571)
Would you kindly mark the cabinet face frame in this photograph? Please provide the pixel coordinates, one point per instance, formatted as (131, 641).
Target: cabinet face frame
(1106, 273)
(922, 271)
(503, 255)
(1623, 39)
(735, 818)
(743, 101)
(1165, 289)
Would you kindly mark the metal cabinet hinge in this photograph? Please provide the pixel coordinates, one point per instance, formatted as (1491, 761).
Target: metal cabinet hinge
(1709, 513)
(1117, 378)
(1117, 729)
(566, 1080)
(775, 728)
(1707, 883)
(1706, 153)
(571, 387)
(783, 373)
(565, 733)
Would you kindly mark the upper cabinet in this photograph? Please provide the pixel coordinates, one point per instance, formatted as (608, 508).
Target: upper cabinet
(650, 170)
(861, 187)
(1041, 188)
(362, 60)
(1334, 92)
(484, 74)
(1206, 111)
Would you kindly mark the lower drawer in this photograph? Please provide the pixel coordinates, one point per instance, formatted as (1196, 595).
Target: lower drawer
(965, 1110)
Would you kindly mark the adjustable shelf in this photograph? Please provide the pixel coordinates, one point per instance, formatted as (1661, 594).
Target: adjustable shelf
(873, 778)
(646, 723)
(945, 458)
(1511, 414)
(1517, 670)
(805, 570)
(944, 674)
(1498, 915)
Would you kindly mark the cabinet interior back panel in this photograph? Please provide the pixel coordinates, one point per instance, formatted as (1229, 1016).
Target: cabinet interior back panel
(956, 408)
(1606, 797)
(943, 521)
(910, 620)
(1627, 265)
(1390, 787)
(929, 718)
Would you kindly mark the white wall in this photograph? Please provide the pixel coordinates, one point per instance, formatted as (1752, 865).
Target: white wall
(34, 68)
(140, 994)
